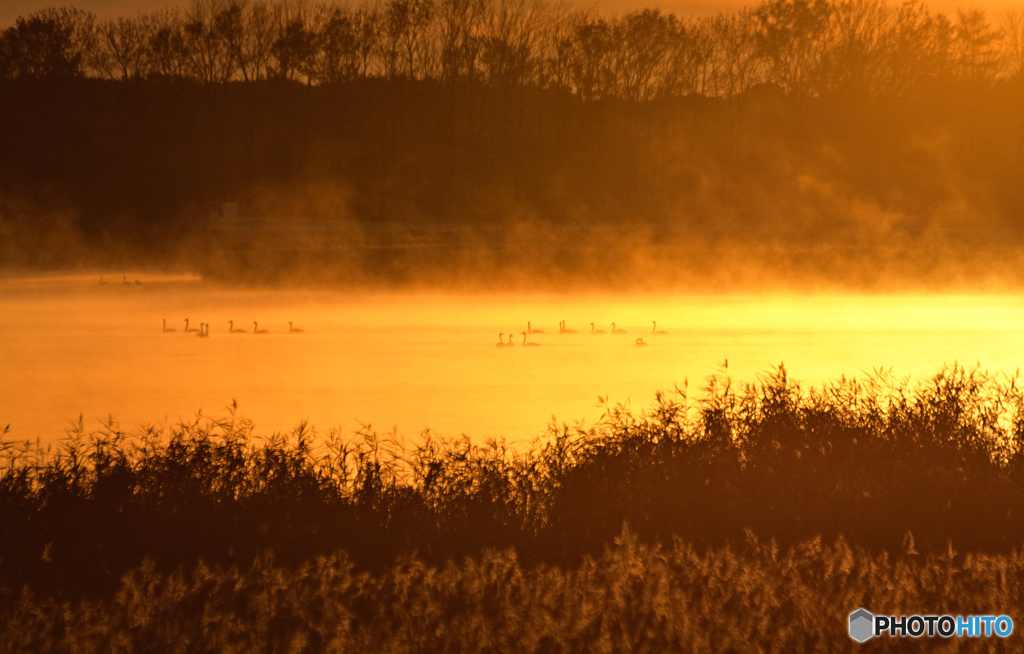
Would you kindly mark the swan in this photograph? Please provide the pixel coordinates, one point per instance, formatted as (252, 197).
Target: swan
(567, 331)
(617, 331)
(187, 330)
(510, 343)
(293, 330)
(165, 327)
(655, 330)
(501, 340)
(204, 330)
(529, 330)
(101, 280)
(124, 280)
(138, 283)
(640, 342)
(256, 329)
(599, 331)
(232, 330)
(529, 344)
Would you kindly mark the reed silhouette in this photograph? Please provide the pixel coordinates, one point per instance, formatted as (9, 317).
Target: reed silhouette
(866, 461)
(630, 596)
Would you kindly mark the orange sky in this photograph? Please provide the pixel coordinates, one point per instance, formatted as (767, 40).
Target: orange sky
(11, 9)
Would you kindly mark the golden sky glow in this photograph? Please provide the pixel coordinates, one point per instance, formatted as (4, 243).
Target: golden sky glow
(11, 9)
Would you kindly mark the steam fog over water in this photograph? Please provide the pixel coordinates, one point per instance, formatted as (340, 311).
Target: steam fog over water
(72, 346)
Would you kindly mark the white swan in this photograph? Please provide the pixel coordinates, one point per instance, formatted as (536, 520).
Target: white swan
(640, 342)
(598, 331)
(293, 330)
(193, 330)
(166, 329)
(617, 331)
(501, 340)
(529, 344)
(510, 343)
(204, 330)
(566, 330)
(232, 330)
(530, 330)
(655, 330)
(256, 329)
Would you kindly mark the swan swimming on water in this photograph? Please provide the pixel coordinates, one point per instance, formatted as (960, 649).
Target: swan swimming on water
(529, 330)
(501, 340)
(510, 343)
(565, 330)
(640, 342)
(655, 330)
(187, 330)
(204, 330)
(598, 331)
(256, 329)
(617, 331)
(165, 327)
(293, 330)
(529, 344)
(232, 330)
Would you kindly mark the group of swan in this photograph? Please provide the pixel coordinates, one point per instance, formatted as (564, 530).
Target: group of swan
(204, 329)
(124, 281)
(501, 340)
(562, 329)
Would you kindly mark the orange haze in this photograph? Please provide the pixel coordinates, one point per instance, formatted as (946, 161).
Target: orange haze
(11, 9)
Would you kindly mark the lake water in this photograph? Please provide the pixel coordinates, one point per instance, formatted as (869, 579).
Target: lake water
(71, 346)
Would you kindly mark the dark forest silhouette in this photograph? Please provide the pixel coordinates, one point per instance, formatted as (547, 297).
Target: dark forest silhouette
(513, 141)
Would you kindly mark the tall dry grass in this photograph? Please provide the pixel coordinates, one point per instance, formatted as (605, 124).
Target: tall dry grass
(880, 463)
(630, 597)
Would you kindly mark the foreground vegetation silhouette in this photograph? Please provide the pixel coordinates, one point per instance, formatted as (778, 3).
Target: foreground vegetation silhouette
(885, 465)
(630, 597)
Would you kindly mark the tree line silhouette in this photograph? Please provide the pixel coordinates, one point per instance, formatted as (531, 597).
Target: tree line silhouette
(803, 47)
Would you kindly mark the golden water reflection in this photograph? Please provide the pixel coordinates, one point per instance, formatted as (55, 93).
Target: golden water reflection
(411, 362)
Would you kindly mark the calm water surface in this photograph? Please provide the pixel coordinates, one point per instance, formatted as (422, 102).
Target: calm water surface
(70, 346)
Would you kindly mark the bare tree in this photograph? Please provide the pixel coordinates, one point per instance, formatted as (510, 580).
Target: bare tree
(167, 45)
(789, 38)
(208, 52)
(975, 54)
(406, 48)
(1012, 29)
(738, 65)
(557, 27)
(851, 47)
(336, 56)
(124, 47)
(459, 26)
(509, 38)
(643, 40)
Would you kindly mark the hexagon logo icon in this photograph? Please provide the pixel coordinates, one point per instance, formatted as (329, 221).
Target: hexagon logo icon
(861, 625)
